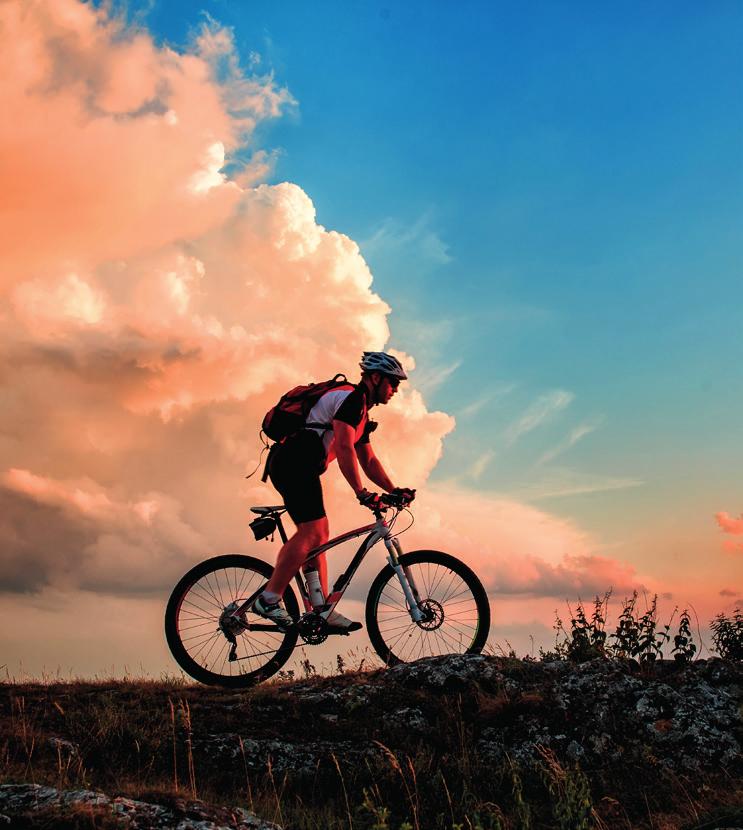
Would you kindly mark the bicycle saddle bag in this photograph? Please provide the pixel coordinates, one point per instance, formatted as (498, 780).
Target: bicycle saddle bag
(262, 527)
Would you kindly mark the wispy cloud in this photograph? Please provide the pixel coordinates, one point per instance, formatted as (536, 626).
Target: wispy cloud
(491, 396)
(480, 465)
(430, 335)
(726, 592)
(537, 413)
(565, 482)
(418, 242)
(571, 440)
(428, 380)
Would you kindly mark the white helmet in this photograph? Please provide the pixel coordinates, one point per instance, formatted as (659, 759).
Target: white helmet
(384, 363)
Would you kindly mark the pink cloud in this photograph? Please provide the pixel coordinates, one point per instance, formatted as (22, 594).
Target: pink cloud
(134, 126)
(730, 525)
(156, 309)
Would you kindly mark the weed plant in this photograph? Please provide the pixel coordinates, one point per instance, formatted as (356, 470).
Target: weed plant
(727, 635)
(638, 634)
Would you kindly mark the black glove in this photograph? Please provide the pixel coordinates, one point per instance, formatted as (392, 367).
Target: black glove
(371, 500)
(404, 494)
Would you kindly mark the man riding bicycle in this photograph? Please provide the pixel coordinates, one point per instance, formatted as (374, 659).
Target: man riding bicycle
(297, 463)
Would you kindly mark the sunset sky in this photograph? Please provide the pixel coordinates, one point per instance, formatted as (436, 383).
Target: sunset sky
(537, 206)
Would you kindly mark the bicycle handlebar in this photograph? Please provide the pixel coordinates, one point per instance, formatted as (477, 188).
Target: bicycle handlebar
(389, 500)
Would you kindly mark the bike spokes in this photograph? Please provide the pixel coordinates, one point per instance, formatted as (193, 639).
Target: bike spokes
(214, 637)
(450, 599)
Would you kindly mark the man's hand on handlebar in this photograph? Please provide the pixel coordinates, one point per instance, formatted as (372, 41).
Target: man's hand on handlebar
(399, 497)
(371, 500)
(403, 494)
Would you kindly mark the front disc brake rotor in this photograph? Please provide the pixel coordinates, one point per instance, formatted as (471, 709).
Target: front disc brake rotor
(433, 614)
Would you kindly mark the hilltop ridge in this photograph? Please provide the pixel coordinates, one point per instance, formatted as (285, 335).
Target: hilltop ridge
(462, 741)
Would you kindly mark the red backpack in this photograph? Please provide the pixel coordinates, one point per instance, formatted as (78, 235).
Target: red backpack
(290, 413)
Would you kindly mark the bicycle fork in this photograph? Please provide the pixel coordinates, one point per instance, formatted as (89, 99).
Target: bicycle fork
(407, 583)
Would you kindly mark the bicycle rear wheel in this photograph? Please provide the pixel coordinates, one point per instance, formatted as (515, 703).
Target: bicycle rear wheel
(200, 603)
(455, 605)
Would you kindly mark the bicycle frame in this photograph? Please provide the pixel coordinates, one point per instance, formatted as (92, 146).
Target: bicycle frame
(379, 531)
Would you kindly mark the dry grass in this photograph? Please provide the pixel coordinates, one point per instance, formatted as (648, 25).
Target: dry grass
(147, 739)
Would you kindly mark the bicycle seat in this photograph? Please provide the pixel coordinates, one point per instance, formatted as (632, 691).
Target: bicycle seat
(263, 511)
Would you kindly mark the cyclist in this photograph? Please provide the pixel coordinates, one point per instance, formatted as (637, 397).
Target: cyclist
(338, 426)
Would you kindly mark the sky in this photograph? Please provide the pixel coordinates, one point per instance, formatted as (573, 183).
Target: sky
(537, 207)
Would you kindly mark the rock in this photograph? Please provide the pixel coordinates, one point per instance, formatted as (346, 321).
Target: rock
(301, 758)
(449, 672)
(25, 801)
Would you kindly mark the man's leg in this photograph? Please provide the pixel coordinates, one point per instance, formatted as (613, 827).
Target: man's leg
(292, 554)
(322, 571)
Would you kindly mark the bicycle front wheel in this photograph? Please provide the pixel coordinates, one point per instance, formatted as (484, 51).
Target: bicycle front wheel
(456, 612)
(199, 626)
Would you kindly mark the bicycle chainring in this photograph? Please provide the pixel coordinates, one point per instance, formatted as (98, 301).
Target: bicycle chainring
(313, 629)
(433, 614)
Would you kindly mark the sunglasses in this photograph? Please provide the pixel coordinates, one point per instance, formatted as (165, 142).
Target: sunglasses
(393, 382)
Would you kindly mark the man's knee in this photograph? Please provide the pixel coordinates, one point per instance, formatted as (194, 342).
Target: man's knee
(314, 533)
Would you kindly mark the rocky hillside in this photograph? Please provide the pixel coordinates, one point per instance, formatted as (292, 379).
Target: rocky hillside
(455, 742)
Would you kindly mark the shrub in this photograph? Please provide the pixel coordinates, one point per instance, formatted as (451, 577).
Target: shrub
(727, 635)
(637, 636)
(683, 646)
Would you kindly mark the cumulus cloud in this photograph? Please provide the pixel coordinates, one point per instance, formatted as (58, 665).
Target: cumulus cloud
(155, 305)
(109, 144)
(154, 309)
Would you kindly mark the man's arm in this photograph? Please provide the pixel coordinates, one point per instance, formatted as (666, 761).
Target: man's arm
(346, 454)
(373, 468)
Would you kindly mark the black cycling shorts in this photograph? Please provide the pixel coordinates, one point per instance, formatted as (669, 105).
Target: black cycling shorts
(295, 468)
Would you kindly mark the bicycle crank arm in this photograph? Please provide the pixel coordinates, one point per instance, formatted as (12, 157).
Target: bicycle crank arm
(250, 656)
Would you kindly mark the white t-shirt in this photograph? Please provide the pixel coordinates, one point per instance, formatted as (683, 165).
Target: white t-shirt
(345, 404)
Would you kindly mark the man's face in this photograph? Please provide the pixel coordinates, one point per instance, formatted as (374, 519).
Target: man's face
(387, 388)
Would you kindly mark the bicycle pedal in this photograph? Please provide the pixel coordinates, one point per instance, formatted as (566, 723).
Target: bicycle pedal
(346, 630)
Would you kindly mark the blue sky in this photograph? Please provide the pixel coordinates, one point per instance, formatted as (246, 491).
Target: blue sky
(550, 198)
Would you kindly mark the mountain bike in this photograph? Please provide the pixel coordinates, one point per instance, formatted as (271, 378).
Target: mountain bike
(421, 604)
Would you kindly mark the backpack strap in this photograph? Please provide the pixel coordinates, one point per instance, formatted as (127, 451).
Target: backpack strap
(264, 477)
(339, 380)
(315, 425)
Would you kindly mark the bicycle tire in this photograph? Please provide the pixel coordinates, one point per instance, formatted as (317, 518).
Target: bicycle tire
(215, 586)
(396, 641)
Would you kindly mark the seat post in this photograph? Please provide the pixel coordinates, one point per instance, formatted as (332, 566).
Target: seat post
(282, 532)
